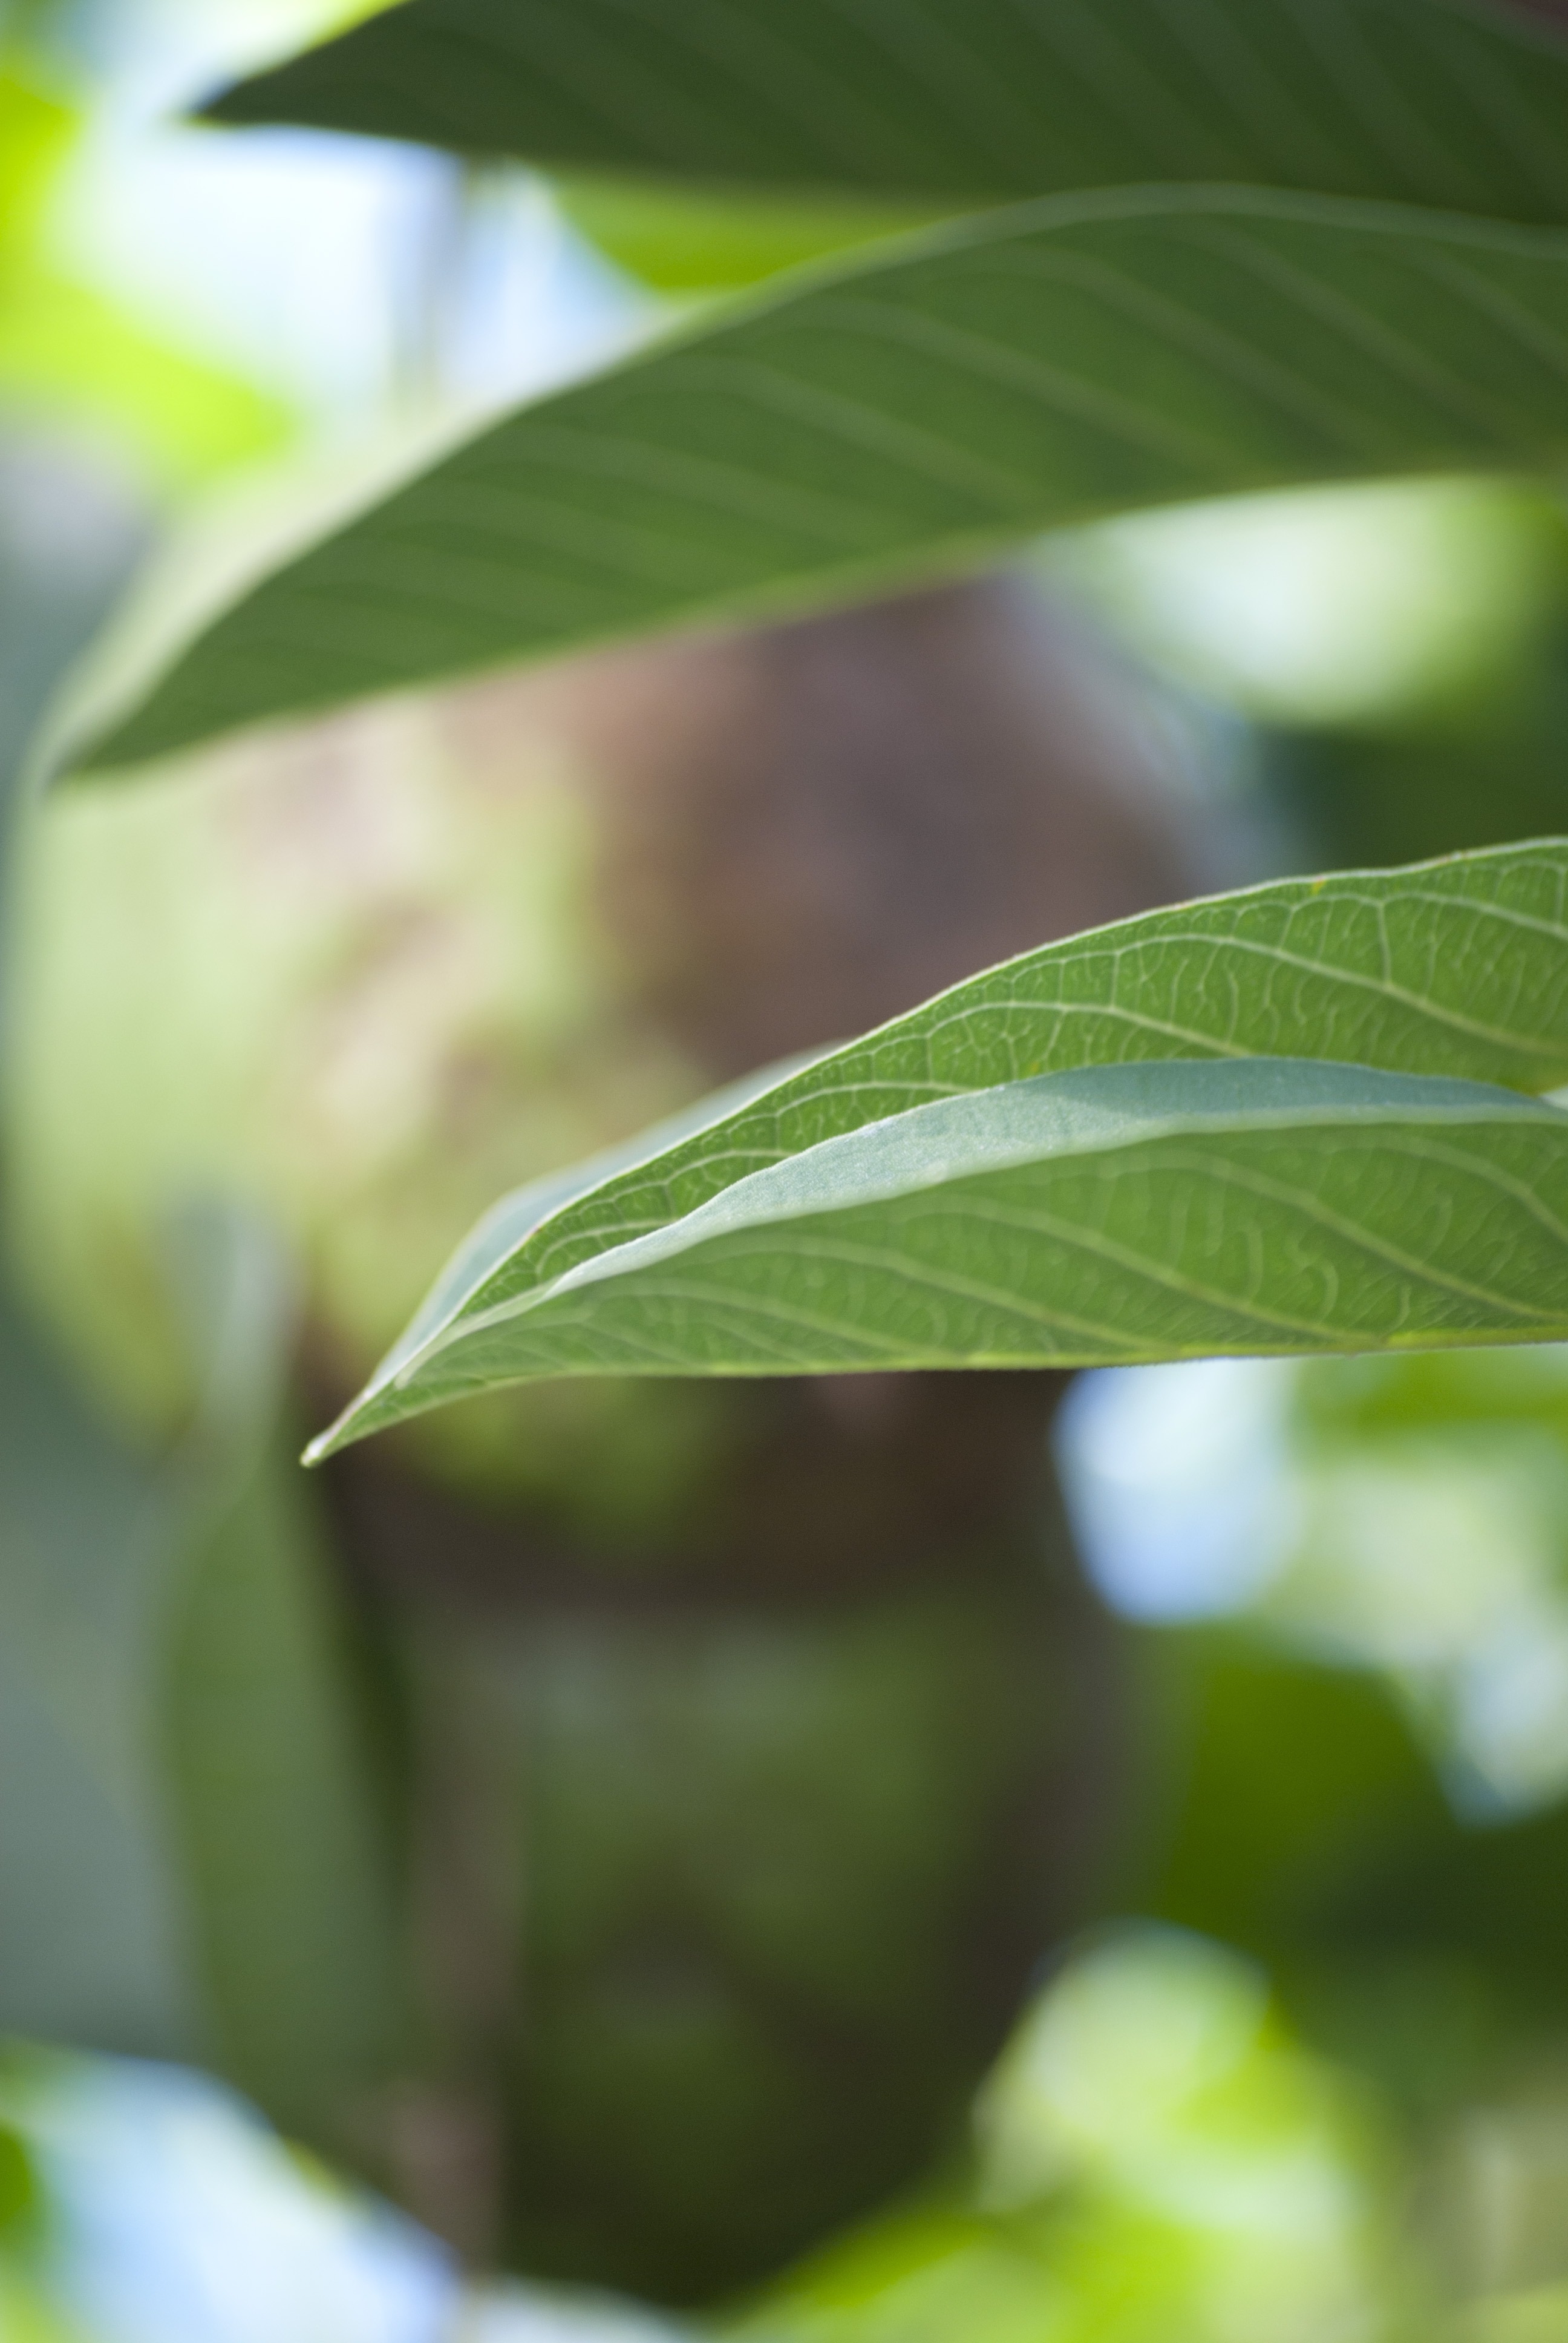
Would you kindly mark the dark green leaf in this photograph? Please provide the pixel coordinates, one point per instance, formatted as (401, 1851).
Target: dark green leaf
(1420, 101)
(861, 427)
(286, 1863)
(267, 1760)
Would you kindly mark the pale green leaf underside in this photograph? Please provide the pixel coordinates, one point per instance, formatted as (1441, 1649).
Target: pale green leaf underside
(867, 425)
(1455, 968)
(1418, 101)
(1123, 1214)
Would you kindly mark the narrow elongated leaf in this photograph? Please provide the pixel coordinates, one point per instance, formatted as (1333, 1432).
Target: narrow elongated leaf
(1421, 101)
(1451, 969)
(1125, 1214)
(285, 1854)
(960, 390)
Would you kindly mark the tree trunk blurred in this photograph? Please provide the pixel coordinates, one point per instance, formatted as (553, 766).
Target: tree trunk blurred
(739, 1822)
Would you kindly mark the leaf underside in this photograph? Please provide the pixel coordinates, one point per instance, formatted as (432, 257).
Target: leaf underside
(812, 1226)
(1123, 1214)
(871, 426)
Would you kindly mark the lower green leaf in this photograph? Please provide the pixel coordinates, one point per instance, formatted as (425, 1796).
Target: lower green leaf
(1124, 1213)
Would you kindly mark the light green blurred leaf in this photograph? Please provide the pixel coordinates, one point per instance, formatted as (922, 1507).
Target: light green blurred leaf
(1535, 2318)
(70, 357)
(864, 427)
(25, 2318)
(1455, 968)
(1158, 2159)
(1446, 104)
(690, 240)
(67, 354)
(1122, 1214)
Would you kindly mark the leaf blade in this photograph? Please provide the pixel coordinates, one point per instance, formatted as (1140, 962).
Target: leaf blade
(1117, 1215)
(880, 423)
(1459, 106)
(1457, 969)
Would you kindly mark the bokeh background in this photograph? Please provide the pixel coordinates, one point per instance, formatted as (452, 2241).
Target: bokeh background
(844, 1865)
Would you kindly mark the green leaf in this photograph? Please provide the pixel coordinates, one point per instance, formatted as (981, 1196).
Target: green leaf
(268, 1753)
(286, 1857)
(1457, 969)
(67, 354)
(871, 426)
(1119, 1215)
(1420, 101)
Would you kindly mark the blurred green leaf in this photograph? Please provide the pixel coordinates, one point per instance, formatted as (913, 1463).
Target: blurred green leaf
(67, 354)
(36, 136)
(864, 428)
(1449, 105)
(1535, 2318)
(1450, 969)
(1293, 1814)
(264, 1729)
(1122, 1214)
(1157, 2158)
(1296, 1780)
(287, 1861)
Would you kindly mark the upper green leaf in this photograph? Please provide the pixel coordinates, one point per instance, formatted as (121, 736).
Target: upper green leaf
(864, 426)
(1451, 969)
(1416, 101)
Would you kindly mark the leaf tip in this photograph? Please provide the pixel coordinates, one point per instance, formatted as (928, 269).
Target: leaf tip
(340, 1434)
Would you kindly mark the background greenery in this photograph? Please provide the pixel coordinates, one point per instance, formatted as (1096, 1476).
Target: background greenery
(1301, 2072)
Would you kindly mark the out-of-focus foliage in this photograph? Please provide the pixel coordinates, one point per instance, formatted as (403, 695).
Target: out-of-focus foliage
(307, 967)
(85, 1535)
(170, 1655)
(68, 355)
(1404, 1516)
(165, 2212)
(1165, 2152)
(972, 99)
(1371, 1804)
(1155, 2157)
(1401, 651)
